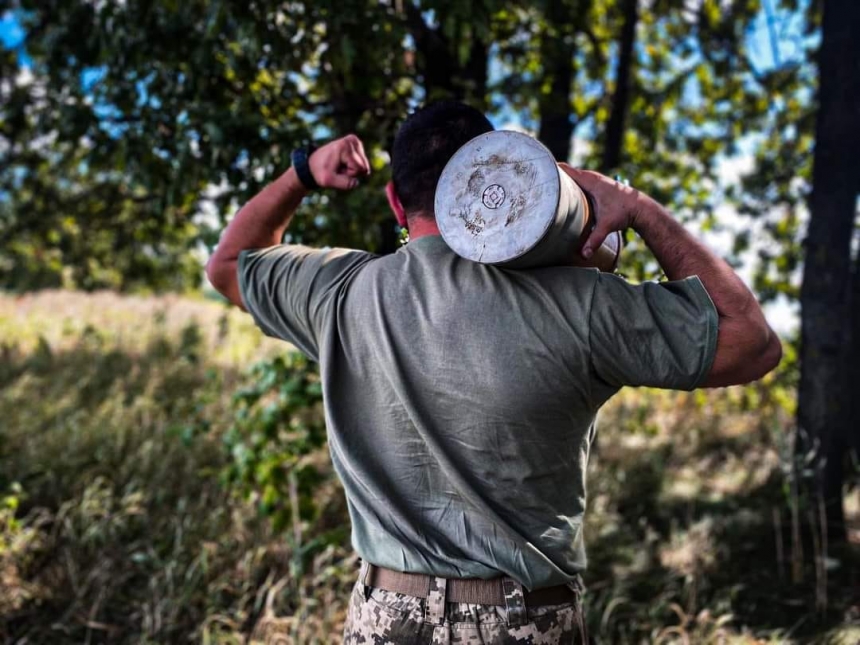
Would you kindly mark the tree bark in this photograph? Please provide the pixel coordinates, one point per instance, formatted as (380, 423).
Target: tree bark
(557, 48)
(475, 74)
(854, 361)
(442, 72)
(824, 398)
(614, 141)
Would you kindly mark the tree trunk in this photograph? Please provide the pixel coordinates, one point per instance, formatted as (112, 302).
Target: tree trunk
(824, 398)
(475, 73)
(614, 140)
(442, 73)
(854, 361)
(557, 50)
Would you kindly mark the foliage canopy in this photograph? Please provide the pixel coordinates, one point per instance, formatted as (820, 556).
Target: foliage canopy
(129, 131)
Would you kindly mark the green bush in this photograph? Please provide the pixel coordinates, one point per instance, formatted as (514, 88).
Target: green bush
(278, 455)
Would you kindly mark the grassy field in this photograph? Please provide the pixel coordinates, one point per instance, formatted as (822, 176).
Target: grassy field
(116, 525)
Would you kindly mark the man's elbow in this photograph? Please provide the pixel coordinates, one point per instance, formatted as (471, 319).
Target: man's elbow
(222, 276)
(772, 354)
(744, 355)
(764, 358)
(216, 274)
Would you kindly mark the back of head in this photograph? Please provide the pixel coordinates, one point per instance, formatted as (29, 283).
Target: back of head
(425, 143)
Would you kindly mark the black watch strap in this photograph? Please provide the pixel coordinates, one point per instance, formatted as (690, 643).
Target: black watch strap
(299, 158)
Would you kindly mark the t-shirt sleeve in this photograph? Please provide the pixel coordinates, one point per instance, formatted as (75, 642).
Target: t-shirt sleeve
(289, 289)
(653, 334)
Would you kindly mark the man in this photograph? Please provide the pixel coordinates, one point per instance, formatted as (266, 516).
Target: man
(460, 398)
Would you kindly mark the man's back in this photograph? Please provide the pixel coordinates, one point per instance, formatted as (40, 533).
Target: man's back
(461, 398)
(482, 384)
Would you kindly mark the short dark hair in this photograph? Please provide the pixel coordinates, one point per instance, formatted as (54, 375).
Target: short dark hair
(425, 143)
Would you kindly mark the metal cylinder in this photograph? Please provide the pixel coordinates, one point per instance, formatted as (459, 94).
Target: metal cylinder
(502, 199)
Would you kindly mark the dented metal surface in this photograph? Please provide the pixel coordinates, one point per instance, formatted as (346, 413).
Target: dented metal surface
(502, 199)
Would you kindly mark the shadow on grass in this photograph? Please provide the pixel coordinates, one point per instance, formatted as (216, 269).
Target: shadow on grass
(120, 530)
(123, 533)
(80, 413)
(698, 565)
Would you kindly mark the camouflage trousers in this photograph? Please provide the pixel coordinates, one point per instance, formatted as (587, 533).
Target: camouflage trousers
(377, 617)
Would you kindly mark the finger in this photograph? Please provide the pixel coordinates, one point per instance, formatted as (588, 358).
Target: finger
(356, 163)
(363, 154)
(356, 156)
(595, 239)
(342, 181)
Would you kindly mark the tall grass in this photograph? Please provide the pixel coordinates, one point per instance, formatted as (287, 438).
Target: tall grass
(116, 524)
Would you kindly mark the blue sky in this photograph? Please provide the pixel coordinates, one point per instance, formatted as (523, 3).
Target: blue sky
(12, 36)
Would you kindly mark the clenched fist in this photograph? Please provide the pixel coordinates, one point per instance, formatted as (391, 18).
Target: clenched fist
(339, 163)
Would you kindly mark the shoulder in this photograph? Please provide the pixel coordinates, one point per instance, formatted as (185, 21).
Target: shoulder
(563, 280)
(299, 267)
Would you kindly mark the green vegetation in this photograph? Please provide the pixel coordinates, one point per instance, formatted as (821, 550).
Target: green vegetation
(155, 487)
(134, 504)
(168, 115)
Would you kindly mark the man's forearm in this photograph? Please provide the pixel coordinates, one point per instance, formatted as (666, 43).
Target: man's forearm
(681, 255)
(747, 347)
(260, 223)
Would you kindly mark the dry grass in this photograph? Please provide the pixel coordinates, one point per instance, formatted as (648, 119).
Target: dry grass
(114, 527)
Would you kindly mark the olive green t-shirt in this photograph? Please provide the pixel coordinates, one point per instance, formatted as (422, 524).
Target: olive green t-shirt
(460, 398)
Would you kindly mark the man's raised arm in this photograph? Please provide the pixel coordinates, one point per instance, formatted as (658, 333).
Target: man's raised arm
(747, 348)
(261, 223)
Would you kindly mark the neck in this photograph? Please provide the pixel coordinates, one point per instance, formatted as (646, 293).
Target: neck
(421, 226)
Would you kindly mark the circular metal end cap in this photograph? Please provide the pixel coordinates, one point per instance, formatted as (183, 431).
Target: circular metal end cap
(497, 197)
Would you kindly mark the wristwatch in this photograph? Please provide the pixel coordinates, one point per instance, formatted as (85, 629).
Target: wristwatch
(299, 158)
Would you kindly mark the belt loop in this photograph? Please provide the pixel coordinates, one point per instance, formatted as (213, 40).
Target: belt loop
(364, 577)
(435, 610)
(515, 602)
(577, 586)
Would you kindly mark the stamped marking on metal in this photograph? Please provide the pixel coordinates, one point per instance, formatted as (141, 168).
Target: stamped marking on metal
(494, 196)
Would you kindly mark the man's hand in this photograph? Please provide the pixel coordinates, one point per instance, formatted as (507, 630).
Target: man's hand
(617, 206)
(340, 163)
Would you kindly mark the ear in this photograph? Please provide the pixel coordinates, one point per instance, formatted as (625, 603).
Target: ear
(394, 203)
